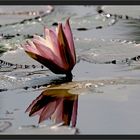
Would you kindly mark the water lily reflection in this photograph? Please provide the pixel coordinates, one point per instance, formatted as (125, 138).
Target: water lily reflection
(56, 104)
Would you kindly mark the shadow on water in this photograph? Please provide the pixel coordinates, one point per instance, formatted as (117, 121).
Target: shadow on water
(57, 104)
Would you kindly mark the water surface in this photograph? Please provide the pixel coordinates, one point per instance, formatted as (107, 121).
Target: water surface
(108, 92)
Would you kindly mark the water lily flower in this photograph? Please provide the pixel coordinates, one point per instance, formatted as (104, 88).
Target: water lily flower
(56, 104)
(56, 50)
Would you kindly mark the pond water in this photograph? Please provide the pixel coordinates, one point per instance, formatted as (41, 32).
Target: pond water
(103, 97)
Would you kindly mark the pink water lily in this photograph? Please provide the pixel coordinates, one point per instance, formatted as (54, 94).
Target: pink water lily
(56, 104)
(55, 51)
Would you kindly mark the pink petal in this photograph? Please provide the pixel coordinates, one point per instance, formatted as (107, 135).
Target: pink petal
(52, 42)
(40, 39)
(48, 63)
(47, 53)
(46, 32)
(45, 42)
(69, 36)
(63, 46)
(54, 46)
(53, 39)
(29, 48)
(43, 49)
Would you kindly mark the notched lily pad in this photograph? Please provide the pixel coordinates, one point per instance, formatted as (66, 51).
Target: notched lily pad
(123, 11)
(4, 125)
(103, 51)
(89, 86)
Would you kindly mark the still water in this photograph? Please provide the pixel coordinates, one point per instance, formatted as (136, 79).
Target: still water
(103, 97)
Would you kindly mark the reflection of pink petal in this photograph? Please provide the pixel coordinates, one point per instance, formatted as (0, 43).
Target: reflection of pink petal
(74, 112)
(33, 103)
(69, 36)
(47, 111)
(37, 112)
(58, 114)
(59, 106)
